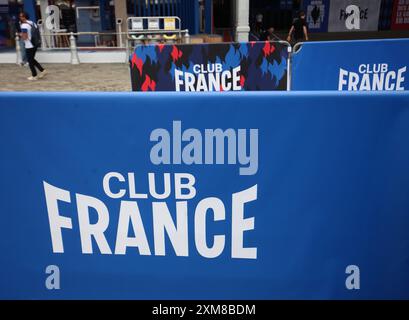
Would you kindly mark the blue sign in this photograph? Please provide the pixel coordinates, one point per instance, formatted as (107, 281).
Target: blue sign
(204, 196)
(317, 12)
(249, 66)
(364, 65)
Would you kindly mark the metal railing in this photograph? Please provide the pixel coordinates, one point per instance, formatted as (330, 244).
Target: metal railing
(289, 63)
(73, 49)
(97, 39)
(142, 21)
(70, 39)
(64, 40)
(136, 33)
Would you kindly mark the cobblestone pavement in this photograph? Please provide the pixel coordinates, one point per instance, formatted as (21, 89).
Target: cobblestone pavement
(67, 77)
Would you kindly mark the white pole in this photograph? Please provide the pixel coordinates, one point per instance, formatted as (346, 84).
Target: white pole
(41, 27)
(242, 21)
(186, 37)
(74, 52)
(289, 67)
(18, 49)
(120, 34)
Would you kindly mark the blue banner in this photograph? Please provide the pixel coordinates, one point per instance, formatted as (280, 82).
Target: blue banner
(364, 65)
(249, 66)
(204, 196)
(317, 13)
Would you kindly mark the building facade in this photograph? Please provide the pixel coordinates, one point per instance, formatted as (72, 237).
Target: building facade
(107, 16)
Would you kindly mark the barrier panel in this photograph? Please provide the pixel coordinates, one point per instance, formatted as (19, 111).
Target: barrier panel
(351, 65)
(210, 67)
(223, 196)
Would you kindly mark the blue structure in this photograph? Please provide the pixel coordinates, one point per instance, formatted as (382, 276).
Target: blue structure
(301, 196)
(360, 65)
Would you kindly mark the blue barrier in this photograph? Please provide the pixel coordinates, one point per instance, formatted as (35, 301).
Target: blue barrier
(366, 65)
(138, 196)
(247, 66)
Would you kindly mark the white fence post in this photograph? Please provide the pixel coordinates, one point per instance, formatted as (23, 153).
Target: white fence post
(186, 37)
(74, 52)
(18, 50)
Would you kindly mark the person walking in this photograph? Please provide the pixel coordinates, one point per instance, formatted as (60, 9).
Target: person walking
(299, 29)
(31, 49)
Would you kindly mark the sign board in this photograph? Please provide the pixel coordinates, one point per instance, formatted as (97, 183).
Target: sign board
(400, 15)
(368, 14)
(249, 66)
(361, 65)
(169, 23)
(153, 23)
(317, 12)
(137, 24)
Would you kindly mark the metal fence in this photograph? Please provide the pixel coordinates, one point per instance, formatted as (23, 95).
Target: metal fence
(122, 40)
(68, 41)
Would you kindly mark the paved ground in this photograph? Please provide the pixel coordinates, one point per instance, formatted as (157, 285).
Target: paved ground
(67, 77)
